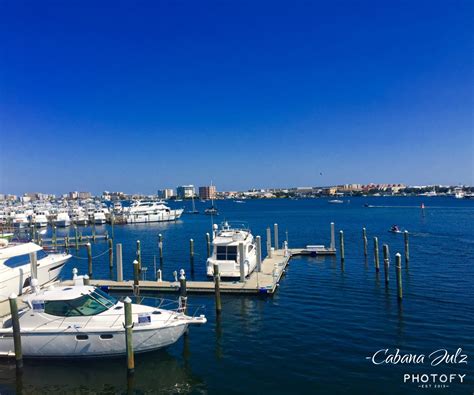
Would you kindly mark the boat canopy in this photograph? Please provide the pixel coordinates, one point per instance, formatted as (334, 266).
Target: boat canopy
(19, 249)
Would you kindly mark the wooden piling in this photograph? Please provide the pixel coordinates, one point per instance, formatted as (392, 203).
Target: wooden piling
(241, 262)
(259, 253)
(191, 254)
(128, 334)
(269, 242)
(208, 244)
(16, 331)
(33, 265)
(66, 243)
(160, 248)
(364, 240)
(139, 256)
(217, 289)
(54, 236)
(183, 295)
(333, 237)
(407, 249)
(398, 267)
(386, 263)
(136, 273)
(275, 233)
(76, 237)
(341, 246)
(112, 223)
(119, 262)
(89, 258)
(376, 254)
(111, 253)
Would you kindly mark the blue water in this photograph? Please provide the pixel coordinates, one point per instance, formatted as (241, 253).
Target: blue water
(314, 334)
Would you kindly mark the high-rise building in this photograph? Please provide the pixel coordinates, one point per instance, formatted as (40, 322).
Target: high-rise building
(208, 192)
(166, 193)
(185, 191)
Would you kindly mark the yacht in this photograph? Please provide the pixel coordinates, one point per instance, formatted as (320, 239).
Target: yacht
(79, 216)
(148, 211)
(226, 240)
(62, 219)
(20, 219)
(99, 217)
(82, 321)
(15, 266)
(40, 219)
(117, 208)
(459, 193)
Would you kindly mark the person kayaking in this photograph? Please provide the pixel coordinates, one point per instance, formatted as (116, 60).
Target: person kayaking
(395, 228)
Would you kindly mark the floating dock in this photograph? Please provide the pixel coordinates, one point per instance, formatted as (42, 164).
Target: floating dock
(264, 281)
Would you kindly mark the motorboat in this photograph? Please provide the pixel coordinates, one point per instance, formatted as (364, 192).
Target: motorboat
(80, 217)
(82, 321)
(149, 211)
(225, 242)
(459, 193)
(211, 211)
(395, 229)
(15, 266)
(40, 219)
(62, 219)
(117, 207)
(336, 201)
(99, 217)
(20, 220)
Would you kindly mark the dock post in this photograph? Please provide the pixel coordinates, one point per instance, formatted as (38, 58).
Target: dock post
(76, 237)
(119, 263)
(191, 254)
(183, 295)
(54, 236)
(93, 231)
(208, 244)
(89, 258)
(86, 280)
(269, 242)
(275, 232)
(33, 265)
(333, 237)
(398, 260)
(386, 263)
(111, 253)
(217, 288)
(112, 223)
(407, 249)
(376, 254)
(139, 256)
(136, 277)
(259, 253)
(364, 240)
(341, 246)
(160, 248)
(241, 262)
(16, 331)
(159, 276)
(128, 335)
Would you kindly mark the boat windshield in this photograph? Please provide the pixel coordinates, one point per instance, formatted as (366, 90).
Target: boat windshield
(91, 304)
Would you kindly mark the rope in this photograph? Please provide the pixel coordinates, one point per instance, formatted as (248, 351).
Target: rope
(96, 256)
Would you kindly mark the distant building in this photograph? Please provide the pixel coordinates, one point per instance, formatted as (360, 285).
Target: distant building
(84, 195)
(185, 191)
(206, 193)
(73, 195)
(166, 193)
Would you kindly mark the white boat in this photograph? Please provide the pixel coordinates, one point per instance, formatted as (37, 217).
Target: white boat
(336, 201)
(459, 193)
(148, 211)
(79, 216)
(40, 219)
(99, 217)
(226, 240)
(20, 220)
(15, 267)
(62, 219)
(82, 321)
(117, 208)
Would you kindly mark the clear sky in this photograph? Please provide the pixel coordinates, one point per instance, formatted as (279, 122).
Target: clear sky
(140, 95)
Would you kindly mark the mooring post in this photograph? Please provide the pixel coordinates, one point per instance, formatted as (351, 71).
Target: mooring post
(407, 249)
(333, 237)
(341, 246)
(259, 253)
(208, 244)
(398, 260)
(128, 334)
(241, 262)
(139, 256)
(89, 258)
(54, 236)
(159, 276)
(364, 240)
(112, 222)
(93, 231)
(136, 273)
(217, 288)
(160, 248)
(183, 295)
(386, 262)
(76, 237)
(16, 331)
(376, 254)
(119, 262)
(269, 242)
(275, 232)
(33, 265)
(86, 280)
(111, 253)
(191, 254)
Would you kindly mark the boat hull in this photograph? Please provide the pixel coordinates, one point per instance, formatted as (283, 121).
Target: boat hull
(173, 215)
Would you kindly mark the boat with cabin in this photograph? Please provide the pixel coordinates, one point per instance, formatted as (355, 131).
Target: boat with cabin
(226, 254)
(150, 211)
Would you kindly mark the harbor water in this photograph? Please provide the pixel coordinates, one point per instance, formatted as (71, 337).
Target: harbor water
(315, 333)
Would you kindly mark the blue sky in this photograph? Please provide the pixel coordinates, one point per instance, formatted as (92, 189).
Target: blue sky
(136, 96)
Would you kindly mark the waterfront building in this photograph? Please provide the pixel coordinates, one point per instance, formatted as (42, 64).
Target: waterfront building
(207, 192)
(185, 191)
(166, 193)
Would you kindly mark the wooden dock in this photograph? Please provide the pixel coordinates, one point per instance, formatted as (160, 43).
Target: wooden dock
(263, 282)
